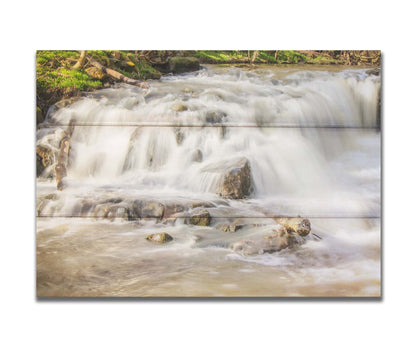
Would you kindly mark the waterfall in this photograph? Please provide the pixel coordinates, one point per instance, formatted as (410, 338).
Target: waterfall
(145, 161)
(296, 129)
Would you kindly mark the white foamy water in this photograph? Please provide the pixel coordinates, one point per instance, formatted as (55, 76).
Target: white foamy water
(310, 138)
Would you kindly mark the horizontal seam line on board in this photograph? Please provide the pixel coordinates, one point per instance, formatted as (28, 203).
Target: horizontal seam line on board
(183, 217)
(213, 126)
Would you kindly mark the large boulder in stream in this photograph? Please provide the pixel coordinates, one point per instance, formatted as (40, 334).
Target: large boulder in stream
(298, 225)
(214, 117)
(236, 183)
(148, 209)
(48, 148)
(281, 237)
(45, 157)
(200, 218)
(159, 237)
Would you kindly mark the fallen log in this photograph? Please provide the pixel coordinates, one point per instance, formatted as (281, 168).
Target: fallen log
(115, 74)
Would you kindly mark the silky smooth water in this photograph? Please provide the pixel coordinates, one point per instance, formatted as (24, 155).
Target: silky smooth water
(311, 138)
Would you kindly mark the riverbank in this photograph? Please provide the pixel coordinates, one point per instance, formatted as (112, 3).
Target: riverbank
(59, 77)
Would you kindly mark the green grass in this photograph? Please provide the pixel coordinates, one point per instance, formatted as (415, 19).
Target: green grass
(290, 57)
(220, 56)
(53, 72)
(55, 79)
(283, 57)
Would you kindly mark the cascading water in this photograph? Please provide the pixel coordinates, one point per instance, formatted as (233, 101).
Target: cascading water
(310, 138)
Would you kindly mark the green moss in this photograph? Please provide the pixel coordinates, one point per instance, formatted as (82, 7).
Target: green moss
(145, 71)
(101, 56)
(55, 79)
(267, 57)
(63, 78)
(290, 57)
(220, 56)
(202, 218)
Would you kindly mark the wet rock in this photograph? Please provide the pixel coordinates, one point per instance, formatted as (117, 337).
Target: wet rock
(62, 162)
(246, 247)
(232, 228)
(206, 204)
(179, 135)
(159, 237)
(183, 64)
(279, 239)
(201, 218)
(48, 148)
(119, 212)
(375, 71)
(223, 131)
(172, 209)
(45, 157)
(148, 209)
(112, 201)
(179, 107)
(51, 196)
(94, 72)
(86, 207)
(214, 117)
(197, 156)
(237, 181)
(298, 225)
(60, 104)
(40, 205)
(101, 211)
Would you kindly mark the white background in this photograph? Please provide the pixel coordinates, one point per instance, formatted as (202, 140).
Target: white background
(27, 26)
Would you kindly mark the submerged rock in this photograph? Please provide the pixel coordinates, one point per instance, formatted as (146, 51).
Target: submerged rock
(290, 232)
(197, 156)
(159, 237)
(119, 212)
(237, 181)
(232, 228)
(201, 218)
(179, 135)
(213, 117)
(62, 162)
(179, 107)
(101, 211)
(279, 239)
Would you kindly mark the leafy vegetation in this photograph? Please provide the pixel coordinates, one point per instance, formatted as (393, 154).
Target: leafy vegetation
(263, 57)
(56, 77)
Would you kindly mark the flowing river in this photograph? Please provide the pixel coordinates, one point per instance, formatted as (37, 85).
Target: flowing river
(311, 138)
